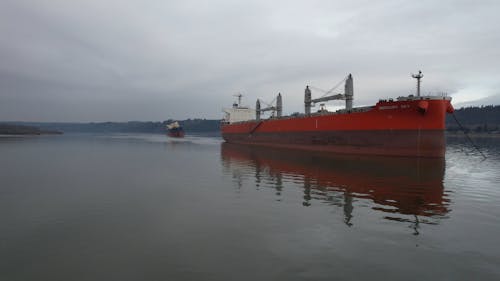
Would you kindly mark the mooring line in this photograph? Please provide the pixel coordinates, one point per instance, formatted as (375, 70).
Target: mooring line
(467, 135)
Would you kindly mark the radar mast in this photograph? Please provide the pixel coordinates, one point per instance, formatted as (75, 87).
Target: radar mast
(418, 77)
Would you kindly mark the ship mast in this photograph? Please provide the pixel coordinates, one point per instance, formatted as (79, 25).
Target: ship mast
(239, 95)
(418, 77)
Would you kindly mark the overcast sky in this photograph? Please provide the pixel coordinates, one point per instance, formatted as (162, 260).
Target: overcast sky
(86, 60)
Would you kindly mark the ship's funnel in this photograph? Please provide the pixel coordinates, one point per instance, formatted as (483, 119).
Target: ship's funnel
(349, 92)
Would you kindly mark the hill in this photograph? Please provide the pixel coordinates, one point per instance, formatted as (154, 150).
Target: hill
(484, 119)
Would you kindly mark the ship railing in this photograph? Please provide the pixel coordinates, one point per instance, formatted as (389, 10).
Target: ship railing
(302, 115)
(412, 97)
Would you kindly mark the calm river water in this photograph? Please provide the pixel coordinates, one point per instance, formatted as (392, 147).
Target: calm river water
(144, 207)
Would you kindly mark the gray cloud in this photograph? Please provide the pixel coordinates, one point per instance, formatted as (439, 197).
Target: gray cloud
(153, 60)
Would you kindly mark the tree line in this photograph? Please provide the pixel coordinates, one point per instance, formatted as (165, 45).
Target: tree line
(189, 125)
(483, 119)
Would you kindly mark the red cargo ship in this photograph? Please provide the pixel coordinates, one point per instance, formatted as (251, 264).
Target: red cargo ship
(406, 126)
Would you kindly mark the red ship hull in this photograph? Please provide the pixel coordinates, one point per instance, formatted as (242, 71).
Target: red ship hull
(411, 127)
(176, 134)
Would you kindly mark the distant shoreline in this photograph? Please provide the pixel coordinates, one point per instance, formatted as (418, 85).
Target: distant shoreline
(23, 130)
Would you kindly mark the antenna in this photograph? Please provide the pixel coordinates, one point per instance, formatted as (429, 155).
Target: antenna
(418, 77)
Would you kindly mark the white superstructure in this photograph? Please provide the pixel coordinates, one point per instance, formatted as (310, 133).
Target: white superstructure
(238, 113)
(173, 125)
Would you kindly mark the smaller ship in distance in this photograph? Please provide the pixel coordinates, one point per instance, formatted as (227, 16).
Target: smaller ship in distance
(175, 130)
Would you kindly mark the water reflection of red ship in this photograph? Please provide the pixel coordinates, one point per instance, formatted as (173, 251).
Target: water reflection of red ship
(408, 186)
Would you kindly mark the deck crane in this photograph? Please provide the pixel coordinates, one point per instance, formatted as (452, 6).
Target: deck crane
(278, 108)
(347, 96)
